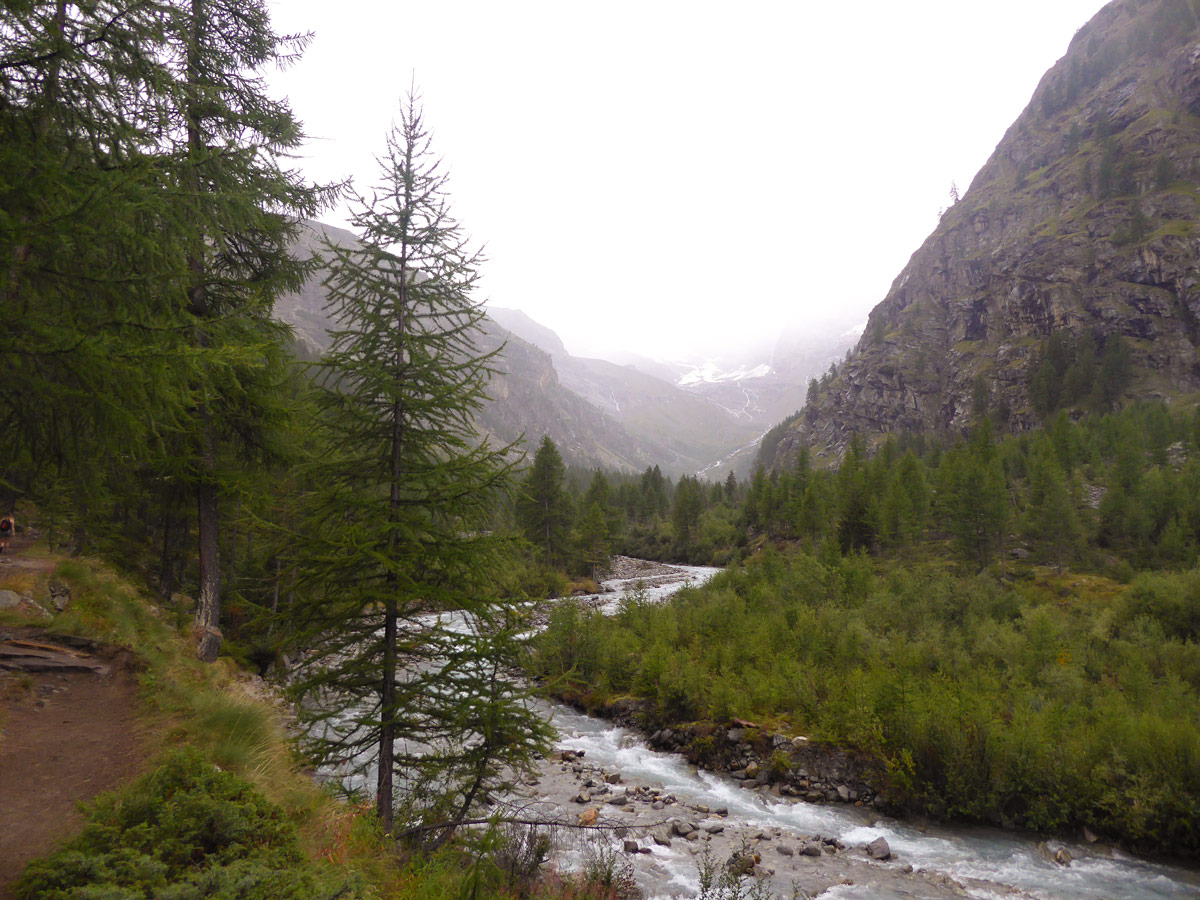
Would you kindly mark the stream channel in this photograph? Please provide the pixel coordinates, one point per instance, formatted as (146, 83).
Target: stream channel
(659, 795)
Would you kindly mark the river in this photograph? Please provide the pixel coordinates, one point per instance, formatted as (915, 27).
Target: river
(660, 795)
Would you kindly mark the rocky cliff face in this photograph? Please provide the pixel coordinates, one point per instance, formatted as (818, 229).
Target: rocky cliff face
(1083, 220)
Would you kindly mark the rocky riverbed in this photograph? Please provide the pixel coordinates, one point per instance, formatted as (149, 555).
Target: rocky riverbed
(664, 837)
(662, 817)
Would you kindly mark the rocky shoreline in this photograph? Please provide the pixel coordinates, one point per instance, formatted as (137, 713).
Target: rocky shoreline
(770, 763)
(661, 835)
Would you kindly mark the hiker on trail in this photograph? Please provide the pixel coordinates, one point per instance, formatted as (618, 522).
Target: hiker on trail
(7, 526)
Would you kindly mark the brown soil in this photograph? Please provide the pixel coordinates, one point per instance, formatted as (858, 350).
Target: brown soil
(64, 738)
(16, 558)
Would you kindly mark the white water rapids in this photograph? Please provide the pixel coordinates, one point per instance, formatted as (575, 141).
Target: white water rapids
(987, 864)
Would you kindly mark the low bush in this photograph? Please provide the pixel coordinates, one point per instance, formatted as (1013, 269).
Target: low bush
(186, 830)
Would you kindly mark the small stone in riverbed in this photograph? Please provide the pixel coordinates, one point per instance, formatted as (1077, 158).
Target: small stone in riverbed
(715, 829)
(811, 849)
(784, 850)
(631, 846)
(589, 816)
(583, 797)
(618, 800)
(723, 811)
(657, 804)
(661, 839)
(613, 778)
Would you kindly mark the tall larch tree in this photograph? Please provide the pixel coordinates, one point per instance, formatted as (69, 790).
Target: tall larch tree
(90, 320)
(241, 206)
(407, 641)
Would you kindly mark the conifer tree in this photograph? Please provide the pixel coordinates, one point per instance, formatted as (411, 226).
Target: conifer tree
(89, 289)
(543, 506)
(857, 513)
(238, 215)
(1052, 517)
(407, 637)
(593, 539)
(685, 514)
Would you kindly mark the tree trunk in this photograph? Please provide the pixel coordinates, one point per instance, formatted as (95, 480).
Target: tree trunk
(166, 568)
(387, 729)
(208, 610)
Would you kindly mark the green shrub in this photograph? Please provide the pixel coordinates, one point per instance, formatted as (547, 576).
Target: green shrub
(186, 830)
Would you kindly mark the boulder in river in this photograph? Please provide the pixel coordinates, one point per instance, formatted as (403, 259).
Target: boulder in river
(879, 849)
(682, 827)
(589, 816)
(743, 863)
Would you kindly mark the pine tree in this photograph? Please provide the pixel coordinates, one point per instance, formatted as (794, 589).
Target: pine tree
(90, 318)
(542, 506)
(687, 505)
(974, 497)
(1052, 517)
(857, 525)
(239, 215)
(593, 539)
(406, 636)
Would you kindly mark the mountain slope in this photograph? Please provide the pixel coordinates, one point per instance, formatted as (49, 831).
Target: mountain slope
(527, 398)
(1080, 224)
(692, 431)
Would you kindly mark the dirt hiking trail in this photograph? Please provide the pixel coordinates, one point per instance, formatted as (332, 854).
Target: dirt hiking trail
(69, 730)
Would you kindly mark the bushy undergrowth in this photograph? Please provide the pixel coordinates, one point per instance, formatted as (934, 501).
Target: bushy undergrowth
(1050, 703)
(187, 830)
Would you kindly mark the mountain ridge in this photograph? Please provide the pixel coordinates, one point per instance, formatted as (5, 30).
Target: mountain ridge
(1080, 223)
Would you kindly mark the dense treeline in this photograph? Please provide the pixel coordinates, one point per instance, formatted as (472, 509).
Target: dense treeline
(1115, 492)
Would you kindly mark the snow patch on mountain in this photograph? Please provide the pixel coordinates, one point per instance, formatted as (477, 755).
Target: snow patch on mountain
(711, 373)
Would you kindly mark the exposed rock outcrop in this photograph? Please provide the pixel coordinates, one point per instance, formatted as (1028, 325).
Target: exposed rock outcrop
(1083, 220)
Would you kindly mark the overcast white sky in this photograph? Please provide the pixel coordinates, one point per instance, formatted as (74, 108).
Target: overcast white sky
(672, 177)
